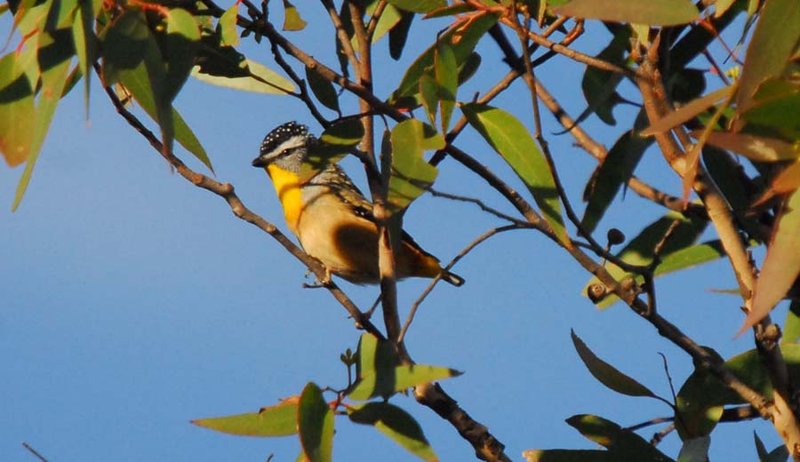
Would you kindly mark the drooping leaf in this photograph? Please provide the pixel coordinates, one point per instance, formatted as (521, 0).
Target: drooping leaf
(259, 79)
(411, 175)
(568, 455)
(85, 46)
(695, 450)
(687, 112)
(787, 180)
(782, 263)
(389, 19)
(399, 33)
(599, 86)
(514, 143)
(292, 21)
(773, 42)
(315, 425)
(446, 73)
(652, 12)
(429, 96)
(55, 68)
(277, 420)
(774, 106)
(18, 111)
(610, 176)
(607, 374)
(323, 90)
(183, 35)
(462, 41)
(397, 424)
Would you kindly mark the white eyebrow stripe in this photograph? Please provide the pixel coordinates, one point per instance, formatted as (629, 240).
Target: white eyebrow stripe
(291, 143)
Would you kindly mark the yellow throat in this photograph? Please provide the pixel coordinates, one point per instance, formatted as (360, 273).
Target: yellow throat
(287, 186)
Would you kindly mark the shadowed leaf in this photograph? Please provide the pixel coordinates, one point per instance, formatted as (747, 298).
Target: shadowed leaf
(757, 148)
(258, 79)
(607, 374)
(315, 425)
(419, 6)
(323, 90)
(397, 424)
(687, 112)
(411, 175)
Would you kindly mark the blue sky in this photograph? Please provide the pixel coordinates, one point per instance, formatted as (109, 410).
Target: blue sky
(132, 302)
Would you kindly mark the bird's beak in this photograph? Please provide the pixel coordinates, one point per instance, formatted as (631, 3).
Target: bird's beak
(259, 162)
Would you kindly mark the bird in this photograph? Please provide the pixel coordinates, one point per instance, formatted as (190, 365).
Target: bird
(331, 217)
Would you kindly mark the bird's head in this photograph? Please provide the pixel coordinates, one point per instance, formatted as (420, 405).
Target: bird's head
(286, 147)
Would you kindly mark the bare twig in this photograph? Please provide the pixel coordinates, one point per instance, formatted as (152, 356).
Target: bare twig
(34, 452)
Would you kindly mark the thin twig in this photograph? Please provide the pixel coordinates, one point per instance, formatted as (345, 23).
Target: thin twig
(34, 452)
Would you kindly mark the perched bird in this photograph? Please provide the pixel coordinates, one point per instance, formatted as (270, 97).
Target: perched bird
(331, 217)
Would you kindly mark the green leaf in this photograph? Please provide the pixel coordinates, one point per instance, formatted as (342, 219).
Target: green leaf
(429, 95)
(613, 172)
(61, 15)
(791, 327)
(335, 143)
(389, 19)
(782, 263)
(85, 46)
(623, 444)
(17, 112)
(411, 175)
(315, 424)
(773, 42)
(379, 375)
(462, 43)
(419, 6)
(278, 420)
(384, 383)
(53, 81)
(651, 12)
(676, 254)
(323, 90)
(446, 73)
(397, 424)
(760, 449)
(188, 140)
(701, 398)
(229, 35)
(514, 143)
(607, 374)
(183, 35)
(292, 21)
(259, 79)
(775, 106)
(691, 256)
(695, 450)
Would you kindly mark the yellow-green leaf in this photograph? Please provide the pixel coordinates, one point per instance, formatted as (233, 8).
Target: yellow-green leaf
(650, 12)
(397, 424)
(687, 112)
(278, 420)
(411, 175)
(514, 143)
(291, 18)
(229, 35)
(260, 80)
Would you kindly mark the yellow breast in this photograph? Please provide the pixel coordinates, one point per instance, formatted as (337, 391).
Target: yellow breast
(287, 185)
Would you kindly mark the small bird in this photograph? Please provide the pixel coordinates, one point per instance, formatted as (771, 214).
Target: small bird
(331, 217)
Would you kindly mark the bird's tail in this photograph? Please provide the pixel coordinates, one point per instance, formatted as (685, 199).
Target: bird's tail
(452, 278)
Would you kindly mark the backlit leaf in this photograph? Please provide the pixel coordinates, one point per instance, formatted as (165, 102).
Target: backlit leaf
(514, 143)
(278, 420)
(773, 42)
(183, 34)
(315, 424)
(446, 73)
(411, 175)
(757, 148)
(229, 35)
(292, 21)
(386, 382)
(782, 263)
(624, 444)
(419, 6)
(259, 79)
(791, 327)
(651, 12)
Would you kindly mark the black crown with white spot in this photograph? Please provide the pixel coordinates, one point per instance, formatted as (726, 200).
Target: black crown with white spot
(281, 134)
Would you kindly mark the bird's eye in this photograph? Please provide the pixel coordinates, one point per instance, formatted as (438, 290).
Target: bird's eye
(285, 152)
